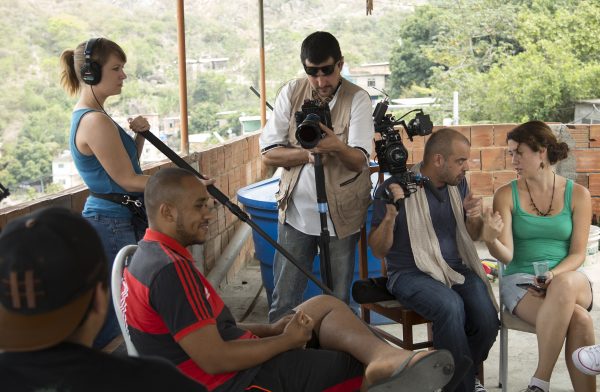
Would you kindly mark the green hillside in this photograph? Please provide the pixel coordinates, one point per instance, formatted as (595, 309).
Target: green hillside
(35, 111)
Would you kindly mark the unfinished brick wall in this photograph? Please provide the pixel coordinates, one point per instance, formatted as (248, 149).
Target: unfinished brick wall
(233, 165)
(237, 163)
(490, 165)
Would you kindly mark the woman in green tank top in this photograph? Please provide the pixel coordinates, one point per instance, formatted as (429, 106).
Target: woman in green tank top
(542, 216)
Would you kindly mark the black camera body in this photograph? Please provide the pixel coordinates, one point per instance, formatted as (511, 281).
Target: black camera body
(391, 153)
(308, 131)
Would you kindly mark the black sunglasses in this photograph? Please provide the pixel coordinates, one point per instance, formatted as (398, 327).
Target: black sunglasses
(326, 69)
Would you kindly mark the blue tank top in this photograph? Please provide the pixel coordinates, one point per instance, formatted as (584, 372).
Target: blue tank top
(539, 238)
(94, 175)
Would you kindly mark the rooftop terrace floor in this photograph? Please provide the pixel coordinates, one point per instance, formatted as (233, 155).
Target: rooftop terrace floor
(248, 302)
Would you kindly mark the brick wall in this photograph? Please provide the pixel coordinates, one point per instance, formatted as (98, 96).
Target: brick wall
(490, 165)
(233, 165)
(237, 163)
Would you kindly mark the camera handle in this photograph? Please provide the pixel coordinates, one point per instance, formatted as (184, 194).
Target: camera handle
(4, 192)
(324, 258)
(235, 209)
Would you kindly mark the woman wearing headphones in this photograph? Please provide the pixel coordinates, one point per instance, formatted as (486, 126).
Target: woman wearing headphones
(106, 157)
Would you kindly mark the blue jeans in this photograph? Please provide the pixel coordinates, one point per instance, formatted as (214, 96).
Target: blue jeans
(290, 282)
(464, 319)
(114, 233)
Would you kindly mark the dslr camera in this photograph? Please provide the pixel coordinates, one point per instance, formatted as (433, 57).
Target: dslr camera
(308, 131)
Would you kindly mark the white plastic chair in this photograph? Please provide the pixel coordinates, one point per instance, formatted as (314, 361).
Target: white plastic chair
(116, 281)
(508, 321)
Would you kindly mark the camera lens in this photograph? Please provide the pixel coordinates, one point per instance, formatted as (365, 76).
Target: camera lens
(396, 154)
(309, 132)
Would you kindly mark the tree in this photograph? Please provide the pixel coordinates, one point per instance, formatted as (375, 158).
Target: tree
(409, 63)
(556, 67)
(61, 32)
(32, 160)
(203, 117)
(571, 24)
(509, 61)
(445, 40)
(209, 87)
(537, 84)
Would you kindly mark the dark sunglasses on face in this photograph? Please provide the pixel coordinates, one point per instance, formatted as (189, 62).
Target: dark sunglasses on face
(325, 69)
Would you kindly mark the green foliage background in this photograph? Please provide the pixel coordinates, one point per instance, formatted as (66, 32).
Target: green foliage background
(510, 60)
(35, 111)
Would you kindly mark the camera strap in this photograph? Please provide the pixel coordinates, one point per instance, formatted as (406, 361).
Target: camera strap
(135, 204)
(120, 198)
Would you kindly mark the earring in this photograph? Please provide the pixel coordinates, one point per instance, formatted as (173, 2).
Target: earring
(542, 165)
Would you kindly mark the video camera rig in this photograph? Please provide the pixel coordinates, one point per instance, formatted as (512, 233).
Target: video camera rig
(392, 155)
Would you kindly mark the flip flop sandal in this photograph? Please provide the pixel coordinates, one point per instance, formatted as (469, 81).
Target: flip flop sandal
(461, 369)
(427, 374)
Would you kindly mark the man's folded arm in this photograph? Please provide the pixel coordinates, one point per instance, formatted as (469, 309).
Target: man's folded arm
(214, 355)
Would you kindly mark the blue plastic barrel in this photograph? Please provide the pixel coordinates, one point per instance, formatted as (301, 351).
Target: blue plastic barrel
(259, 202)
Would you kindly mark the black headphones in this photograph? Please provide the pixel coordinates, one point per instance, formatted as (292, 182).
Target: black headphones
(91, 71)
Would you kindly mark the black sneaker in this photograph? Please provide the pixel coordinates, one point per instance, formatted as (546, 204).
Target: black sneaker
(533, 388)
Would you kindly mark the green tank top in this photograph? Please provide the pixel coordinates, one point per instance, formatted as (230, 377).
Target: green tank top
(539, 238)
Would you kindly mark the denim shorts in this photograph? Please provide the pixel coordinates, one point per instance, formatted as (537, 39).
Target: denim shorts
(511, 294)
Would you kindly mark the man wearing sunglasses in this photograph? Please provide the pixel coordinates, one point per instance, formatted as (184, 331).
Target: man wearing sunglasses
(344, 151)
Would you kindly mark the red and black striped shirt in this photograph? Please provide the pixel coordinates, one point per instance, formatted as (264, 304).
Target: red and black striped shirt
(165, 297)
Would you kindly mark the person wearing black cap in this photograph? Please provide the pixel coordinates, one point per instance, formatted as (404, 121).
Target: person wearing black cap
(53, 301)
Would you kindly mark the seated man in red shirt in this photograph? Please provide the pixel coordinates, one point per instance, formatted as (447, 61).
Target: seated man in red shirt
(173, 312)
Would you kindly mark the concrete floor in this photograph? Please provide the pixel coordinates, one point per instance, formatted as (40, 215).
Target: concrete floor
(247, 300)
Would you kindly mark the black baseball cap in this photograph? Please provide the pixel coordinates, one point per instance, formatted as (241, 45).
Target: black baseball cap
(50, 262)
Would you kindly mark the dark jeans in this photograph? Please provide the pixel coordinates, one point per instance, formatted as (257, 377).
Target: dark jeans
(290, 282)
(464, 319)
(115, 233)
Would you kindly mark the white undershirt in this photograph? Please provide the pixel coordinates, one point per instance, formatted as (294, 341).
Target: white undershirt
(302, 212)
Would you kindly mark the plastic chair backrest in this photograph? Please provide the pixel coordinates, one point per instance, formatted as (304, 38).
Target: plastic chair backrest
(116, 282)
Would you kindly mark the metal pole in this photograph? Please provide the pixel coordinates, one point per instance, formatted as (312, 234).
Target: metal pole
(263, 87)
(230, 253)
(324, 238)
(455, 118)
(183, 109)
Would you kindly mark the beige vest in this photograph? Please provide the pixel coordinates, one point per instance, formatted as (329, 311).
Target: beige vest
(425, 244)
(348, 192)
